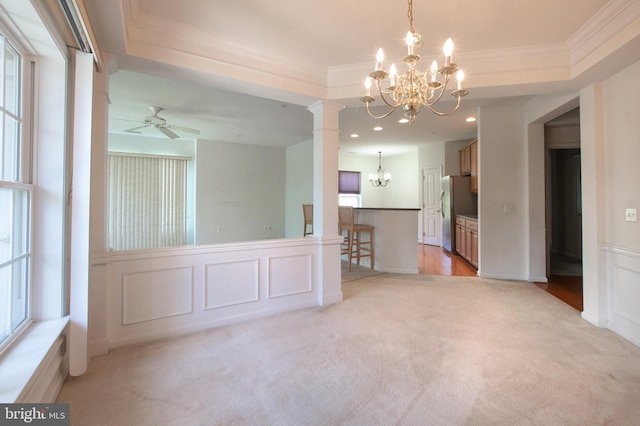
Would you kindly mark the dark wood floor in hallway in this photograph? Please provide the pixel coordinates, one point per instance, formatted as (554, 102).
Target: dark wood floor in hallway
(433, 260)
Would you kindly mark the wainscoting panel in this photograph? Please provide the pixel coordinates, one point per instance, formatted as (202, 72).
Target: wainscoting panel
(154, 294)
(624, 293)
(627, 293)
(231, 283)
(289, 275)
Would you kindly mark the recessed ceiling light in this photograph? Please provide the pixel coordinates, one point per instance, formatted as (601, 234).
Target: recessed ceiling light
(403, 120)
(355, 135)
(377, 129)
(470, 119)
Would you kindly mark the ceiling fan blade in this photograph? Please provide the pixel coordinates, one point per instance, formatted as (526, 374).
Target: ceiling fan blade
(134, 129)
(185, 129)
(168, 132)
(124, 119)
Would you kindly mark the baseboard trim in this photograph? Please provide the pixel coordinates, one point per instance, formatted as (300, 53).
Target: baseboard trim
(502, 277)
(332, 299)
(594, 320)
(401, 271)
(219, 322)
(99, 347)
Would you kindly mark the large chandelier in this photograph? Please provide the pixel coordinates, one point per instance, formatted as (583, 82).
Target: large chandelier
(380, 178)
(414, 89)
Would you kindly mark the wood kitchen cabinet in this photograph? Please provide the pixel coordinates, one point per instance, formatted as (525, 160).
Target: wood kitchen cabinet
(467, 239)
(471, 229)
(469, 164)
(461, 242)
(465, 161)
(473, 166)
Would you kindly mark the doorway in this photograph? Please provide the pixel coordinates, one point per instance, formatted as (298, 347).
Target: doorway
(564, 209)
(431, 206)
(566, 216)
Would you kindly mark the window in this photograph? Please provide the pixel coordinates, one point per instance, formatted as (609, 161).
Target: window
(348, 188)
(146, 201)
(15, 199)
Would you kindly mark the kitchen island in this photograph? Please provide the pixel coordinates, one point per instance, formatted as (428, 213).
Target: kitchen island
(396, 238)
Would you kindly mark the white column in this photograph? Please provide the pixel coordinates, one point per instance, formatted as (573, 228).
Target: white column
(97, 333)
(80, 212)
(325, 200)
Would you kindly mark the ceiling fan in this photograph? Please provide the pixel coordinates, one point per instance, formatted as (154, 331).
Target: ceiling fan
(160, 124)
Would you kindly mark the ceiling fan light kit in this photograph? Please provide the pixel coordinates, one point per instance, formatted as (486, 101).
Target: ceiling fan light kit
(414, 89)
(159, 123)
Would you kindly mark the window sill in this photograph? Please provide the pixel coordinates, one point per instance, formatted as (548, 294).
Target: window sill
(19, 365)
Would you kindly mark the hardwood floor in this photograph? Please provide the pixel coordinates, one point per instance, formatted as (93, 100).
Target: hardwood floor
(433, 260)
(567, 288)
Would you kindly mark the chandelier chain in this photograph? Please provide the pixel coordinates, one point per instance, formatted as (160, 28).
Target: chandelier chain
(410, 16)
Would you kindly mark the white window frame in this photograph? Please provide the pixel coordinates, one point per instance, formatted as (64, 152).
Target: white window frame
(24, 178)
(46, 119)
(350, 199)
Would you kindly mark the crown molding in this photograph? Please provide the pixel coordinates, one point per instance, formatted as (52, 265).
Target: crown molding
(156, 39)
(529, 65)
(169, 42)
(603, 26)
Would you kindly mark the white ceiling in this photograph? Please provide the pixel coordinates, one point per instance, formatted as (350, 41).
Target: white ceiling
(202, 60)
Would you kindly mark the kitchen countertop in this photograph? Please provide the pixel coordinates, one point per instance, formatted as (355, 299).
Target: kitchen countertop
(469, 216)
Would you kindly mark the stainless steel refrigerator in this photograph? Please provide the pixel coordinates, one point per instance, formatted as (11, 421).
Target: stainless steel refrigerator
(457, 198)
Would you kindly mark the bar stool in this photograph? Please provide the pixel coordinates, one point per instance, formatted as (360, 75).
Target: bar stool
(353, 245)
(307, 212)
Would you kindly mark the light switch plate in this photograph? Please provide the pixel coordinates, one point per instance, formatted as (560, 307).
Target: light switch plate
(631, 215)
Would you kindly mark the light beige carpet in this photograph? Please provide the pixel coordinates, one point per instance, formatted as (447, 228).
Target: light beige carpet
(357, 272)
(400, 349)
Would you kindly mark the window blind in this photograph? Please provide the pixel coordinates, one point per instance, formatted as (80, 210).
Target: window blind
(146, 201)
(348, 182)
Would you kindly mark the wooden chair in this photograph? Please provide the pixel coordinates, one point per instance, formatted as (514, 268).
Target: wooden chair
(307, 212)
(354, 246)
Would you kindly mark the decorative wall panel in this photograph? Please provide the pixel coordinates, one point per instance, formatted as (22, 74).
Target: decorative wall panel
(624, 292)
(231, 283)
(289, 275)
(159, 293)
(627, 294)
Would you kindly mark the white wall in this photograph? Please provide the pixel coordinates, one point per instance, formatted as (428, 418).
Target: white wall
(620, 247)
(511, 151)
(235, 185)
(151, 145)
(404, 189)
(622, 152)
(299, 186)
(501, 150)
(432, 154)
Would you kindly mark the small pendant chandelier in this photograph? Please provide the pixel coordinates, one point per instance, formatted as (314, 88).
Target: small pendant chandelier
(414, 89)
(380, 179)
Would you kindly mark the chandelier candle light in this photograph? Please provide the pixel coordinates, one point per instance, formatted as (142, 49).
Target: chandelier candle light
(380, 178)
(414, 89)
